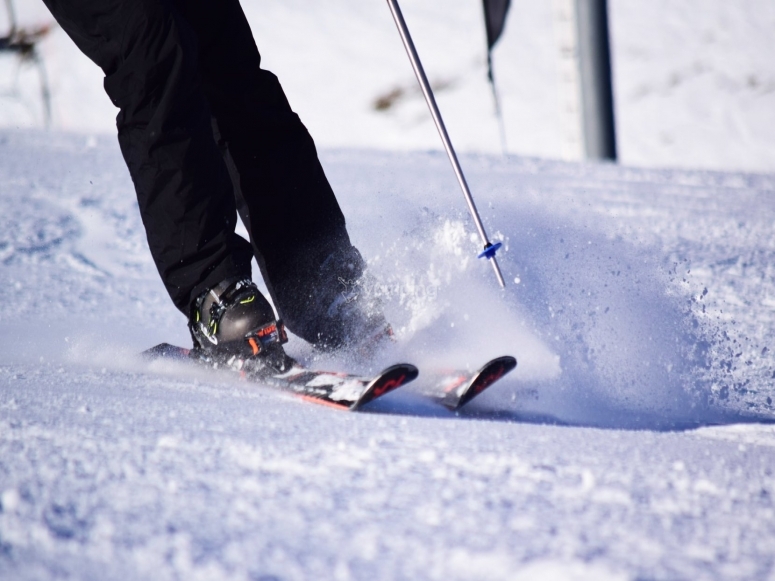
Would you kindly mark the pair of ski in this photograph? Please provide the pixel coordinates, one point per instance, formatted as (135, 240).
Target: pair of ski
(345, 391)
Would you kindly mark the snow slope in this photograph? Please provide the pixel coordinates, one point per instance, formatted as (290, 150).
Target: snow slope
(634, 441)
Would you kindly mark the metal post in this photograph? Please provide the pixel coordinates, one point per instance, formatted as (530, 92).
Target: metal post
(596, 88)
(11, 18)
(489, 247)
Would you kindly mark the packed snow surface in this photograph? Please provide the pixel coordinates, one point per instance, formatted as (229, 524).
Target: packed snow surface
(634, 441)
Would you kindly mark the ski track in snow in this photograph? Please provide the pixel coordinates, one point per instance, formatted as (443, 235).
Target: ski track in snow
(634, 440)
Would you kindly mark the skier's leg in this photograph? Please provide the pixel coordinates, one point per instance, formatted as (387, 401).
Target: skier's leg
(149, 55)
(296, 226)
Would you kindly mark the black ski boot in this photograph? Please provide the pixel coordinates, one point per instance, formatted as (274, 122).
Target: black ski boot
(353, 316)
(330, 301)
(233, 325)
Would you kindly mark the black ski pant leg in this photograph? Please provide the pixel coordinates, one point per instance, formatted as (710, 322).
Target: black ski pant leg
(149, 54)
(290, 210)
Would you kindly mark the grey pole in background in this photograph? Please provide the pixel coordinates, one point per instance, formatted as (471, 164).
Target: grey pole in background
(597, 102)
(11, 18)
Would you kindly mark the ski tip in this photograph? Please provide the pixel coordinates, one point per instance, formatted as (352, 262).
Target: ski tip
(507, 361)
(490, 372)
(388, 380)
(407, 368)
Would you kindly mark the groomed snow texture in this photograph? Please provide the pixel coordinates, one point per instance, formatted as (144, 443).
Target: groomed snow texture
(634, 441)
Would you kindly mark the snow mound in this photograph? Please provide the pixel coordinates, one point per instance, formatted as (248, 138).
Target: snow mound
(602, 310)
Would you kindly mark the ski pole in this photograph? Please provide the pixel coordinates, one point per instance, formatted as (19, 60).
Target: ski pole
(489, 248)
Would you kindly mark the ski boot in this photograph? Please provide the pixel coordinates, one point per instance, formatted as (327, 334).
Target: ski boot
(354, 314)
(339, 303)
(233, 325)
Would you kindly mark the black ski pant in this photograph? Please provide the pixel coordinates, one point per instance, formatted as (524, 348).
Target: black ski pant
(204, 131)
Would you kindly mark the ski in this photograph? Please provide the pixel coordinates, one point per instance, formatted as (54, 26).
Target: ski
(455, 389)
(339, 390)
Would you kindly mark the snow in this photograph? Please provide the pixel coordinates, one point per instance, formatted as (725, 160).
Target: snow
(694, 82)
(635, 439)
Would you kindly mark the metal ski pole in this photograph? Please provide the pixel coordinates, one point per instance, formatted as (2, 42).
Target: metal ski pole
(489, 248)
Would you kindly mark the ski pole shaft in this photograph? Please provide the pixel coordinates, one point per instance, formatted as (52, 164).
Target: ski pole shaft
(489, 248)
(11, 18)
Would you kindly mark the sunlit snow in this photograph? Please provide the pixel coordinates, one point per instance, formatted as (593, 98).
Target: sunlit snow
(634, 440)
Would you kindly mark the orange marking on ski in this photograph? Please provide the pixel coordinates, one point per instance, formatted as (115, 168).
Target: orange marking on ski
(488, 380)
(252, 342)
(324, 402)
(455, 384)
(389, 386)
